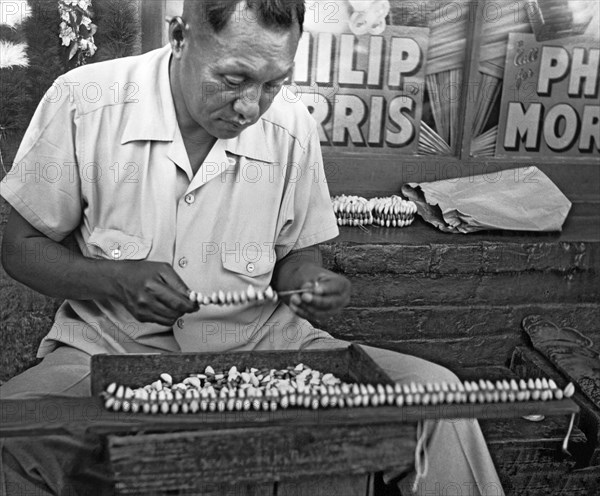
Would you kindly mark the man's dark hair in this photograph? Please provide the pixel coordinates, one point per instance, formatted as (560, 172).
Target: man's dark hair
(270, 13)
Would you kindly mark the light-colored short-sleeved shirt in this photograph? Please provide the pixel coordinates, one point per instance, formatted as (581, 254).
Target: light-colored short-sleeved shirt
(104, 158)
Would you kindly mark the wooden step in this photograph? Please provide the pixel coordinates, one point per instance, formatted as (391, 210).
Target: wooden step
(527, 454)
(529, 362)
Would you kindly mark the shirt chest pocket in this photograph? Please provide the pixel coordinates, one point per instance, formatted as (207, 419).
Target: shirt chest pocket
(252, 260)
(117, 245)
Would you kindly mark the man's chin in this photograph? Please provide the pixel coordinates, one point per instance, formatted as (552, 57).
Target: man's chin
(226, 130)
(228, 134)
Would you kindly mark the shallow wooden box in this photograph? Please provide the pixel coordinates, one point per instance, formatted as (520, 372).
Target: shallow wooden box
(292, 451)
(289, 451)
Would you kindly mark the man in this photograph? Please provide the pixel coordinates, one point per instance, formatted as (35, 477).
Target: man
(188, 170)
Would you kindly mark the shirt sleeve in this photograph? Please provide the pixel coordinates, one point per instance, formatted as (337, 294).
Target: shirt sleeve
(309, 214)
(43, 185)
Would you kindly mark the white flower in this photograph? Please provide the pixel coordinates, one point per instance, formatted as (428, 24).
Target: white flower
(68, 35)
(13, 54)
(84, 4)
(87, 46)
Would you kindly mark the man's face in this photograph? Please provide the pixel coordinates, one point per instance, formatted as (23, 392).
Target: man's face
(229, 79)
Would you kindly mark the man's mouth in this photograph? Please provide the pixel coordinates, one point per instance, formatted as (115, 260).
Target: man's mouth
(234, 124)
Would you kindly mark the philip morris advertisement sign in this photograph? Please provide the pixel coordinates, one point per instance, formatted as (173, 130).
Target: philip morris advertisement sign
(550, 103)
(361, 79)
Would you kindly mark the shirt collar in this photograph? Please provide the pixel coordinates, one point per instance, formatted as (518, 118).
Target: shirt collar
(150, 113)
(251, 143)
(153, 118)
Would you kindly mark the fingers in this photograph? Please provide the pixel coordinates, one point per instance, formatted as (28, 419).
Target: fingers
(328, 295)
(153, 292)
(175, 300)
(175, 294)
(159, 304)
(157, 313)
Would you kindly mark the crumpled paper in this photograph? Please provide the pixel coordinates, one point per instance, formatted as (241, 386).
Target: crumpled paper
(522, 199)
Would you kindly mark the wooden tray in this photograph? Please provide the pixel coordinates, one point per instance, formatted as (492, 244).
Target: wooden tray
(349, 364)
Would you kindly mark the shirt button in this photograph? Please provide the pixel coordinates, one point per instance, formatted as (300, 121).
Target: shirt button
(250, 267)
(116, 253)
(180, 323)
(232, 161)
(183, 262)
(189, 199)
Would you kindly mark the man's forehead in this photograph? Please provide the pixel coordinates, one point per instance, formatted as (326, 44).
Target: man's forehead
(249, 42)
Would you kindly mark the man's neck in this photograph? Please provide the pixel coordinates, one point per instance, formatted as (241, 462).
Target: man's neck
(197, 148)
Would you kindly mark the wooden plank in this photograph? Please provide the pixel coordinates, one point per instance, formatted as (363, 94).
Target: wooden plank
(60, 415)
(348, 485)
(224, 489)
(185, 460)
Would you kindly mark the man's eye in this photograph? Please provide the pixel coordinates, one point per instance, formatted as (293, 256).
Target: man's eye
(233, 81)
(275, 85)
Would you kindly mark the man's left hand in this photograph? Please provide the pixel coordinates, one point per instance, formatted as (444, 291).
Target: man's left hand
(329, 293)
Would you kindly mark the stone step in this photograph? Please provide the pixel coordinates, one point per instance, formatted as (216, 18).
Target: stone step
(507, 288)
(422, 249)
(453, 335)
(460, 299)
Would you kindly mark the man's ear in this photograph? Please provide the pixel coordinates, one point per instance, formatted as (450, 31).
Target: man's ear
(177, 34)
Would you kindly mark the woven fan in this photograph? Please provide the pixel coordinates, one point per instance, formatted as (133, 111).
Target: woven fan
(445, 58)
(492, 58)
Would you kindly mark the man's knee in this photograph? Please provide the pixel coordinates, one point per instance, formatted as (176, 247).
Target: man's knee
(406, 368)
(432, 372)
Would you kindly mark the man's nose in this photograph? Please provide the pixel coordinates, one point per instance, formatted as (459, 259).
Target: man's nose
(247, 105)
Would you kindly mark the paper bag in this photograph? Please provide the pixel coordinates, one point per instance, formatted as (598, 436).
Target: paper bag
(523, 199)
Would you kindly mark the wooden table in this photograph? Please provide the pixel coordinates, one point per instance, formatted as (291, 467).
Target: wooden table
(283, 452)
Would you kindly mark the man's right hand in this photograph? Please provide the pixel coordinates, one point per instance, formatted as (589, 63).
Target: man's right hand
(152, 291)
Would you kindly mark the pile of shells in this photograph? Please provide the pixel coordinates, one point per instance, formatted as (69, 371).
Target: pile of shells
(302, 387)
(390, 211)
